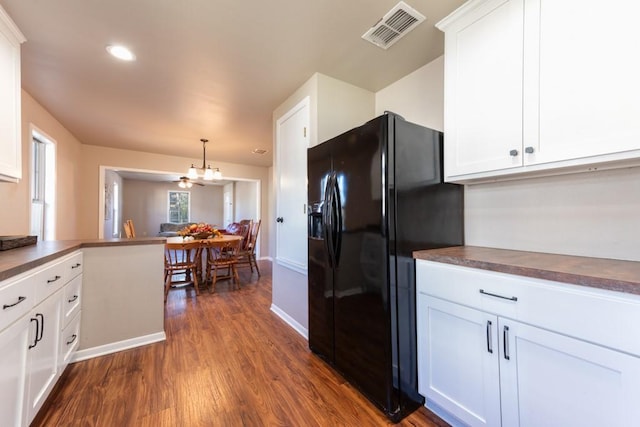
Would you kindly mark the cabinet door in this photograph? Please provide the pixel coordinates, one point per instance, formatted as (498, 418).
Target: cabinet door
(554, 380)
(589, 90)
(458, 360)
(44, 343)
(13, 369)
(10, 124)
(483, 88)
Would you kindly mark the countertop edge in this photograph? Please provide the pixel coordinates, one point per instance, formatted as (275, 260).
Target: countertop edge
(16, 261)
(615, 275)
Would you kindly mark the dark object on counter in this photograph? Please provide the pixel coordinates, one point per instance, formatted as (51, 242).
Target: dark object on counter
(12, 242)
(375, 196)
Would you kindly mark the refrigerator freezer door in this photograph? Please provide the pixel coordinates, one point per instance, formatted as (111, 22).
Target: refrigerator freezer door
(361, 293)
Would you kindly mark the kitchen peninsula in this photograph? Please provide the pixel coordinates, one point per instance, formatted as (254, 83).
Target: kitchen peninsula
(122, 300)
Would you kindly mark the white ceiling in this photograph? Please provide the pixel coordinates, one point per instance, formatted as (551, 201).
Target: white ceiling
(205, 68)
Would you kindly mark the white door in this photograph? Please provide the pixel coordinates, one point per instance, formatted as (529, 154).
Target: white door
(553, 380)
(588, 80)
(458, 360)
(292, 141)
(483, 89)
(13, 368)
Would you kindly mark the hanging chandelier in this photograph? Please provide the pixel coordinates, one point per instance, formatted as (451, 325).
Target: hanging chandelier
(208, 174)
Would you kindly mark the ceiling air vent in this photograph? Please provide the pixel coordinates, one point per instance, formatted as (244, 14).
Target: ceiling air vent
(401, 19)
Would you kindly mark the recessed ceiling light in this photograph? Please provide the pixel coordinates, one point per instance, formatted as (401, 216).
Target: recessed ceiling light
(259, 151)
(121, 52)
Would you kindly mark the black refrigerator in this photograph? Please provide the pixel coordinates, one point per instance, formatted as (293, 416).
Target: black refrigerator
(375, 194)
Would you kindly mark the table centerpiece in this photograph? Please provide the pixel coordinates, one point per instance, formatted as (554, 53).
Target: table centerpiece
(199, 231)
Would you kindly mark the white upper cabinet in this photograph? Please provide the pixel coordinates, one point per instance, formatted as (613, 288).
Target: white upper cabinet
(10, 123)
(540, 87)
(483, 88)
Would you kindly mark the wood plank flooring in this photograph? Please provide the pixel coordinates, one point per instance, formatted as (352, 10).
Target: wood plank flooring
(227, 361)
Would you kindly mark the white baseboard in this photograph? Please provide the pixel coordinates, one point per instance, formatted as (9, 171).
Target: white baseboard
(101, 350)
(290, 321)
(265, 258)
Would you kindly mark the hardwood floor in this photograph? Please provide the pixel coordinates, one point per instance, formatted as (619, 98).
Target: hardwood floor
(227, 361)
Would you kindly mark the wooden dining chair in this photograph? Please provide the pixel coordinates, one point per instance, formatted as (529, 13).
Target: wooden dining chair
(181, 259)
(129, 231)
(247, 256)
(221, 258)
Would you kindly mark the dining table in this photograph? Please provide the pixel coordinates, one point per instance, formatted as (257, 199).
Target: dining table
(203, 245)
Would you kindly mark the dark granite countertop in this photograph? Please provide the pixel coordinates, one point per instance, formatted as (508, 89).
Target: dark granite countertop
(19, 260)
(615, 275)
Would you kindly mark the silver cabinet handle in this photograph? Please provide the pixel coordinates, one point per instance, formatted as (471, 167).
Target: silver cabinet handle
(529, 150)
(513, 153)
(483, 292)
(489, 346)
(505, 342)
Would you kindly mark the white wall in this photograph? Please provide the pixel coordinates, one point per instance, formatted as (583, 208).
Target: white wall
(590, 214)
(418, 97)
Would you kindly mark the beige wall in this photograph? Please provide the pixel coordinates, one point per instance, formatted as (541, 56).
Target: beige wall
(245, 200)
(15, 198)
(418, 97)
(146, 204)
(93, 157)
(589, 214)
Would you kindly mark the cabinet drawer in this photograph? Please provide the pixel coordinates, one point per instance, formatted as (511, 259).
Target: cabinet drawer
(599, 316)
(70, 340)
(17, 296)
(72, 299)
(74, 265)
(49, 279)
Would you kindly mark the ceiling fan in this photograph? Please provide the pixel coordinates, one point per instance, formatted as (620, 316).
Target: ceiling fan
(185, 182)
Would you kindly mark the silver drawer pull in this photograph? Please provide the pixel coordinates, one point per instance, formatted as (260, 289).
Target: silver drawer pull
(482, 291)
(20, 299)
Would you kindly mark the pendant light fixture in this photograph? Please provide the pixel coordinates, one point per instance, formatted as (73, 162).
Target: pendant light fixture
(209, 174)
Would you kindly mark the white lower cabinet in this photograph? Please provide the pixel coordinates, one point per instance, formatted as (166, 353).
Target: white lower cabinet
(458, 367)
(39, 334)
(554, 380)
(13, 371)
(480, 363)
(44, 351)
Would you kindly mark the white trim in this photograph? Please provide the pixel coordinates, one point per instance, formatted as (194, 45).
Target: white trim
(298, 268)
(290, 321)
(102, 350)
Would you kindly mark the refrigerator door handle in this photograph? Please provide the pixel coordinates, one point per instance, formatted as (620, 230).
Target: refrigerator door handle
(337, 226)
(326, 219)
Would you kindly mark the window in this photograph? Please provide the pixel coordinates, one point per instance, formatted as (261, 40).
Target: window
(43, 161)
(179, 206)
